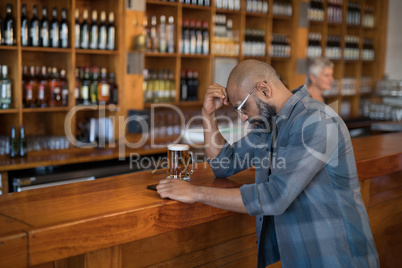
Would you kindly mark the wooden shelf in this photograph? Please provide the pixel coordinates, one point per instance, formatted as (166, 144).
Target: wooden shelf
(197, 7)
(280, 58)
(226, 56)
(96, 51)
(45, 109)
(161, 55)
(228, 11)
(257, 15)
(9, 111)
(195, 56)
(46, 49)
(8, 48)
(163, 3)
(280, 17)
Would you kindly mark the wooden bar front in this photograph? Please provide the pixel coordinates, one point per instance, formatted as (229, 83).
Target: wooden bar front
(117, 222)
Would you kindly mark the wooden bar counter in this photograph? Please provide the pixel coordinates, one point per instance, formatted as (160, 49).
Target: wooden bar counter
(117, 222)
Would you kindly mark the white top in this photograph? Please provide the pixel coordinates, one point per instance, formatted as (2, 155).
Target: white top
(178, 147)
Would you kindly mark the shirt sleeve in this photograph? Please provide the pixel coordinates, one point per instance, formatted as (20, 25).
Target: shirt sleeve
(234, 158)
(313, 143)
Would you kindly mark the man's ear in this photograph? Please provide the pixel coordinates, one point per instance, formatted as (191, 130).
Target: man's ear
(265, 90)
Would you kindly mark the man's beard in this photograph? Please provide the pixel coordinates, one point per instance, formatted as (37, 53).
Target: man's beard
(266, 115)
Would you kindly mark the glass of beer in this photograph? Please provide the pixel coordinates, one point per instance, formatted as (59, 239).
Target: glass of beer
(179, 158)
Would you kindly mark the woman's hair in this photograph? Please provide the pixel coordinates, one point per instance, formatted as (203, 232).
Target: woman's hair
(316, 65)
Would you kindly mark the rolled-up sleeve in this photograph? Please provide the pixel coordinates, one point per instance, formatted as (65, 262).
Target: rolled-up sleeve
(313, 142)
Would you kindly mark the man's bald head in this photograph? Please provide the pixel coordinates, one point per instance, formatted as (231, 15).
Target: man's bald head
(249, 72)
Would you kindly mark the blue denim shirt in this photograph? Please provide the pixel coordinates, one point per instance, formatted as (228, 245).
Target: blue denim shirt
(309, 210)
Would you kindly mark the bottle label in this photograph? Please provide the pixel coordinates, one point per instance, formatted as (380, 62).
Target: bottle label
(45, 37)
(105, 90)
(77, 35)
(41, 92)
(3, 93)
(94, 40)
(29, 92)
(102, 38)
(7, 37)
(111, 38)
(56, 90)
(65, 92)
(84, 93)
(77, 92)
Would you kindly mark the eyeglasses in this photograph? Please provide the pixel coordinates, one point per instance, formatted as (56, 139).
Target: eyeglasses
(239, 108)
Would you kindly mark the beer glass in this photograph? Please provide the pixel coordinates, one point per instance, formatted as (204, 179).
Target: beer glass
(179, 158)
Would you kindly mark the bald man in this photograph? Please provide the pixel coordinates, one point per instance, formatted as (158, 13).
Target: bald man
(306, 195)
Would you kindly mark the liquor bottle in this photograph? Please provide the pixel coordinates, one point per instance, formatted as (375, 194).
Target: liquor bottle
(158, 87)
(141, 41)
(103, 88)
(28, 87)
(77, 86)
(198, 37)
(114, 90)
(77, 30)
(102, 31)
(205, 38)
(13, 144)
(22, 146)
(166, 88)
(34, 28)
(64, 88)
(9, 28)
(44, 29)
(111, 33)
(94, 86)
(84, 30)
(43, 88)
(54, 30)
(170, 30)
(190, 86)
(194, 90)
(193, 40)
(85, 88)
(162, 34)
(183, 86)
(64, 30)
(172, 86)
(154, 35)
(145, 88)
(1, 31)
(150, 87)
(93, 33)
(54, 89)
(5, 90)
(186, 37)
(24, 26)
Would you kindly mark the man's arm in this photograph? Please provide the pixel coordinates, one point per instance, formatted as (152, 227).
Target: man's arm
(215, 98)
(223, 198)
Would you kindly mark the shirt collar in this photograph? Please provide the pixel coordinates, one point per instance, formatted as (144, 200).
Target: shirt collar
(298, 94)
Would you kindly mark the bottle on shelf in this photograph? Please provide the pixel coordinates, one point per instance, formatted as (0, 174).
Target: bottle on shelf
(77, 86)
(84, 31)
(114, 90)
(314, 45)
(185, 37)
(24, 27)
(5, 89)
(145, 89)
(34, 28)
(54, 89)
(13, 144)
(141, 39)
(368, 53)
(205, 39)
(170, 30)
(22, 146)
(54, 30)
(193, 38)
(43, 88)
(94, 86)
(30, 87)
(1, 31)
(103, 88)
(93, 32)
(102, 31)
(172, 84)
(77, 30)
(194, 86)
(111, 33)
(9, 28)
(162, 34)
(282, 8)
(316, 11)
(64, 88)
(64, 30)
(154, 36)
(183, 86)
(44, 29)
(85, 88)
